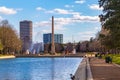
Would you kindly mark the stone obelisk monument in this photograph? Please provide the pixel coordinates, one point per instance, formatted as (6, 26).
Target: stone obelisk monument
(53, 45)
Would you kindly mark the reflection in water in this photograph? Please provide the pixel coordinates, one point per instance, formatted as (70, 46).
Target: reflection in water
(38, 68)
(52, 68)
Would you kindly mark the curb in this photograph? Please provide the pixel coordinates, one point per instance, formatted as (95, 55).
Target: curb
(116, 65)
(80, 74)
(88, 71)
(84, 71)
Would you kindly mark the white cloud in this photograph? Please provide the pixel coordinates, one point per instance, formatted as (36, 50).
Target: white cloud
(39, 8)
(46, 31)
(97, 28)
(58, 10)
(7, 11)
(95, 7)
(42, 24)
(61, 22)
(58, 25)
(86, 35)
(84, 38)
(81, 18)
(80, 1)
(81, 36)
(77, 17)
(69, 6)
(62, 11)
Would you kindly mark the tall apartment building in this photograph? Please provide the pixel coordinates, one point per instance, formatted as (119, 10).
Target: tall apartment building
(26, 34)
(58, 38)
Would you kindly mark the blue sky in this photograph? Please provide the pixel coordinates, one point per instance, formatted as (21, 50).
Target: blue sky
(75, 19)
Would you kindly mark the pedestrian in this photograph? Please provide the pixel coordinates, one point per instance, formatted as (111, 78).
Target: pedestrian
(72, 77)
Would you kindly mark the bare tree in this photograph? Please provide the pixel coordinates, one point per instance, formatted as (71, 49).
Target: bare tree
(9, 38)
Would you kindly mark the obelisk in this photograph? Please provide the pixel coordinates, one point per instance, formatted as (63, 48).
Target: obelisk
(53, 45)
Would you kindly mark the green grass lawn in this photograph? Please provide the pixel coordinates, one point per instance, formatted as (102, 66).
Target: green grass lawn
(115, 58)
(1, 55)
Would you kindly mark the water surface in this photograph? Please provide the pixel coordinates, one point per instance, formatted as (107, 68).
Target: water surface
(38, 68)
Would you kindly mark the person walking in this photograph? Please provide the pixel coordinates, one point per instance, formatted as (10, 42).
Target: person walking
(72, 77)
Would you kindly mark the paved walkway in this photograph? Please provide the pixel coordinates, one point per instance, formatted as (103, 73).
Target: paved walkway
(104, 71)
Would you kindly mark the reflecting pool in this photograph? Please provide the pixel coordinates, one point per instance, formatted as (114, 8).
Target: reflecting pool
(38, 68)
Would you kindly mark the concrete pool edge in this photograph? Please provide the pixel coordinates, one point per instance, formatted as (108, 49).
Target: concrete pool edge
(83, 72)
(89, 73)
(48, 55)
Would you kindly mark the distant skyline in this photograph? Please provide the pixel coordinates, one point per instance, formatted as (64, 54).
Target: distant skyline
(75, 19)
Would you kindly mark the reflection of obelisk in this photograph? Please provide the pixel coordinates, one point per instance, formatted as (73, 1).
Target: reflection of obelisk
(53, 45)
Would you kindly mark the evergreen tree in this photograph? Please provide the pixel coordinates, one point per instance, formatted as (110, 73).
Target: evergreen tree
(110, 20)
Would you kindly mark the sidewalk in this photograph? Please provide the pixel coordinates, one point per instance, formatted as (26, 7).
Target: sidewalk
(104, 71)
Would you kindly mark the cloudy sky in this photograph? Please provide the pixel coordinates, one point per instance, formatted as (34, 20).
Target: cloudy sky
(75, 19)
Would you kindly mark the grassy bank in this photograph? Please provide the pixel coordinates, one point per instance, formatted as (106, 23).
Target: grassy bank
(2, 55)
(6, 56)
(115, 58)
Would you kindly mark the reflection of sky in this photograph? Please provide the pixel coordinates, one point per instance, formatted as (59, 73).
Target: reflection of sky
(65, 67)
(38, 68)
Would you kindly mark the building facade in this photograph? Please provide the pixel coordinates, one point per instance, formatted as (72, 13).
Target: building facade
(26, 34)
(47, 38)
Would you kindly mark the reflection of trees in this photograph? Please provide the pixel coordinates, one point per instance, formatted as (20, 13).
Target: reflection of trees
(9, 38)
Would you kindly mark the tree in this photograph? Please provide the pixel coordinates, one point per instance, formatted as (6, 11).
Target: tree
(59, 48)
(110, 20)
(69, 47)
(78, 47)
(87, 46)
(1, 46)
(9, 38)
